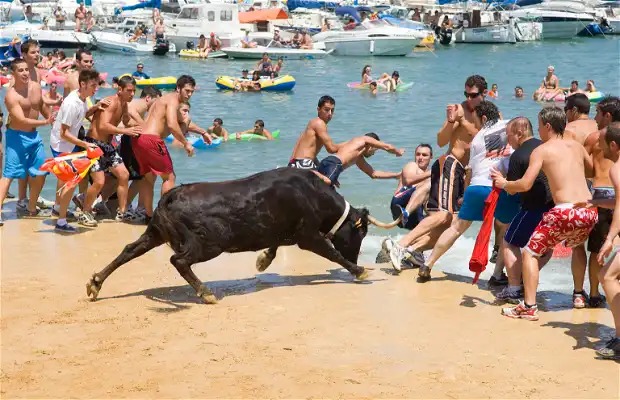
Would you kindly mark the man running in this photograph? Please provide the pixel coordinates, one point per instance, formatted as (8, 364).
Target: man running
(104, 126)
(355, 151)
(314, 137)
(24, 148)
(150, 149)
(565, 163)
(448, 172)
(534, 203)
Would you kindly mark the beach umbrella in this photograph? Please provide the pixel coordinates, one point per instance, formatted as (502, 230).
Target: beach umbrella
(480, 254)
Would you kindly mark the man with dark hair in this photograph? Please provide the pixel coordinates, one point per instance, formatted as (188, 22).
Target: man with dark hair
(83, 60)
(314, 137)
(448, 171)
(574, 89)
(565, 163)
(151, 150)
(258, 129)
(218, 130)
(24, 147)
(579, 124)
(489, 148)
(355, 151)
(104, 126)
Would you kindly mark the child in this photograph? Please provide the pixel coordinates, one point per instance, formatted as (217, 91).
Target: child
(259, 129)
(493, 92)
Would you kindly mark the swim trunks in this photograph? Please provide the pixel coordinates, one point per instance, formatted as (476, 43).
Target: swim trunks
(601, 229)
(401, 198)
(303, 163)
(129, 159)
(109, 159)
(473, 204)
(24, 154)
(447, 184)
(563, 223)
(152, 154)
(55, 153)
(523, 225)
(331, 167)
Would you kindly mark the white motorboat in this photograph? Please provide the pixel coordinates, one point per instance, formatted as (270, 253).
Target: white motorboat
(372, 38)
(119, 42)
(499, 33)
(256, 53)
(556, 24)
(49, 38)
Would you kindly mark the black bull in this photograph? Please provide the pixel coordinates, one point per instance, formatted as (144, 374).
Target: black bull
(275, 208)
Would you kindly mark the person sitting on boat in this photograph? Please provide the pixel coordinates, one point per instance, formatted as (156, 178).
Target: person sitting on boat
(277, 40)
(493, 92)
(590, 88)
(296, 41)
(89, 21)
(246, 85)
(350, 25)
(203, 48)
(218, 130)
(138, 33)
(264, 66)
(550, 86)
(246, 42)
(139, 73)
(28, 13)
(80, 16)
(259, 129)
(61, 17)
(306, 40)
(215, 44)
(446, 23)
(278, 67)
(326, 26)
(519, 92)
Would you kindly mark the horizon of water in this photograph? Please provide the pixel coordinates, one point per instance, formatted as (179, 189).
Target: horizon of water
(404, 119)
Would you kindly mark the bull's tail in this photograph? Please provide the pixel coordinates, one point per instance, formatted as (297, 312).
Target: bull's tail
(150, 239)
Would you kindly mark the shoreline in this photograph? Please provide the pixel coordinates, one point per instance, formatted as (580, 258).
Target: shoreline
(300, 329)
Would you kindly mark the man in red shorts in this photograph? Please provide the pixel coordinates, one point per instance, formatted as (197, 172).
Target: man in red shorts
(150, 149)
(565, 163)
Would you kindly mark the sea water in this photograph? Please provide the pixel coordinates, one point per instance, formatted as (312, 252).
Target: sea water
(404, 119)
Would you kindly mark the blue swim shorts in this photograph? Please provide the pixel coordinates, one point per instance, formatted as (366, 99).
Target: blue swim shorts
(473, 204)
(24, 154)
(523, 225)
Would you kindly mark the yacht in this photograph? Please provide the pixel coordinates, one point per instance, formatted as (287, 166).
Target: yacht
(370, 38)
(560, 19)
(49, 38)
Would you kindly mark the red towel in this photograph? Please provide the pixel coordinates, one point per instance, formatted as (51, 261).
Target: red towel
(480, 255)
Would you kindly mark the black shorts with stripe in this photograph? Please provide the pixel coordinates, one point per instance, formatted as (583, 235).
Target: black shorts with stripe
(447, 185)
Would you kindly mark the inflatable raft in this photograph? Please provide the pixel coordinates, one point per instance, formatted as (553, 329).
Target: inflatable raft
(594, 97)
(399, 88)
(280, 84)
(252, 136)
(190, 53)
(162, 82)
(197, 142)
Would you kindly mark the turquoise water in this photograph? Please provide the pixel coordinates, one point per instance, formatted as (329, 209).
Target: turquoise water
(403, 119)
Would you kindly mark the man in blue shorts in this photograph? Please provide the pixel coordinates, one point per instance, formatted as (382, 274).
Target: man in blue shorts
(24, 152)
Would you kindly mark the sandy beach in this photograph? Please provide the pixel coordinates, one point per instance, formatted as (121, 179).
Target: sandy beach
(302, 329)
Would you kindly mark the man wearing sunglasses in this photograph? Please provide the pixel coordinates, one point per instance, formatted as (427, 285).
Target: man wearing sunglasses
(448, 172)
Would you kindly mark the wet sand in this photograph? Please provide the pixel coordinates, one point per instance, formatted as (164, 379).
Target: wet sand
(302, 329)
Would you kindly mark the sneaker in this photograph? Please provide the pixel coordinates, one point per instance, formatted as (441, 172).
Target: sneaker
(611, 351)
(413, 258)
(127, 216)
(579, 300)
(10, 195)
(66, 228)
(510, 295)
(87, 219)
(424, 274)
(521, 311)
(37, 214)
(70, 214)
(493, 258)
(78, 200)
(44, 203)
(596, 301)
(397, 253)
(495, 282)
(21, 205)
(405, 215)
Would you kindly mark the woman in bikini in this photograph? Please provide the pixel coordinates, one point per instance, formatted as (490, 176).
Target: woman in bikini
(550, 86)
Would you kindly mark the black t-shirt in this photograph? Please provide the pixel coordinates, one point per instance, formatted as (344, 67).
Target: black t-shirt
(539, 196)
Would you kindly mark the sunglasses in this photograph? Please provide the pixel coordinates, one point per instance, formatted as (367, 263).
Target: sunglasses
(471, 95)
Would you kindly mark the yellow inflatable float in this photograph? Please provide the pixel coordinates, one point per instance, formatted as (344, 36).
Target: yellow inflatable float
(162, 82)
(280, 84)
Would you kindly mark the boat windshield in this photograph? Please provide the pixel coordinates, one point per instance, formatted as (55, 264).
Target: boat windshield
(368, 24)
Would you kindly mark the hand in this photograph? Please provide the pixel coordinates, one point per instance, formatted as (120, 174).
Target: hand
(498, 178)
(604, 251)
(460, 112)
(103, 104)
(207, 138)
(133, 131)
(51, 119)
(189, 149)
(238, 136)
(451, 113)
(399, 152)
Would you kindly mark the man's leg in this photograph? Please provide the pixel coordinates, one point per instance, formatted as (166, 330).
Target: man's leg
(498, 272)
(445, 241)
(122, 175)
(22, 188)
(94, 189)
(147, 190)
(168, 183)
(4, 189)
(578, 268)
(609, 277)
(419, 196)
(36, 185)
(433, 220)
(531, 274)
(594, 269)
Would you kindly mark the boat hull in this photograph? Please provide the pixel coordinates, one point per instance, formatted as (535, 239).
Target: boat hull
(486, 34)
(377, 46)
(274, 52)
(118, 43)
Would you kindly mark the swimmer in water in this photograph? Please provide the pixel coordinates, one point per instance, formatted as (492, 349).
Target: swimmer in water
(367, 78)
(259, 129)
(519, 92)
(590, 88)
(373, 88)
(218, 130)
(493, 92)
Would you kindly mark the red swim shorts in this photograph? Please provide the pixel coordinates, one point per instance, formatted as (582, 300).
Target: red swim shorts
(563, 223)
(152, 155)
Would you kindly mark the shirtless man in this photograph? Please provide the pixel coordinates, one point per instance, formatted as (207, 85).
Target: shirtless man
(218, 130)
(80, 16)
(150, 148)
(565, 164)
(574, 89)
(83, 60)
(607, 112)
(306, 40)
(24, 147)
(579, 127)
(355, 151)
(159, 28)
(448, 172)
(314, 137)
(103, 127)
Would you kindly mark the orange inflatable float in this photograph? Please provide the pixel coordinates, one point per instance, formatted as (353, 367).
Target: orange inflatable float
(71, 168)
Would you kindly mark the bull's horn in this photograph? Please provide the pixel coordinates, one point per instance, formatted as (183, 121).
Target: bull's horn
(383, 224)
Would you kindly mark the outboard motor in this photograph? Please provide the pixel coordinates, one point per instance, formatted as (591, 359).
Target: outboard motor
(445, 36)
(162, 46)
(189, 45)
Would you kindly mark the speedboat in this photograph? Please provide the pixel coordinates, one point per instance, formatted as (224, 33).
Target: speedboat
(560, 19)
(63, 39)
(371, 38)
(287, 53)
(119, 42)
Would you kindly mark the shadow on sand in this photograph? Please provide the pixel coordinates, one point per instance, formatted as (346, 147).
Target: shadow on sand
(178, 298)
(588, 335)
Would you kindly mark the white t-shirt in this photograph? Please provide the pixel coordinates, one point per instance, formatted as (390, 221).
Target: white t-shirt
(489, 148)
(71, 113)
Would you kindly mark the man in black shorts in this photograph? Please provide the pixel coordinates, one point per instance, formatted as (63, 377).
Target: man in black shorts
(534, 203)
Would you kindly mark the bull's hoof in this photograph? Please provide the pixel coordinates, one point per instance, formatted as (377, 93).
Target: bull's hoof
(263, 261)
(362, 276)
(93, 287)
(209, 298)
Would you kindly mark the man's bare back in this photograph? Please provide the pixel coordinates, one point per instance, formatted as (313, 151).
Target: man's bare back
(160, 121)
(310, 143)
(114, 113)
(579, 130)
(601, 164)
